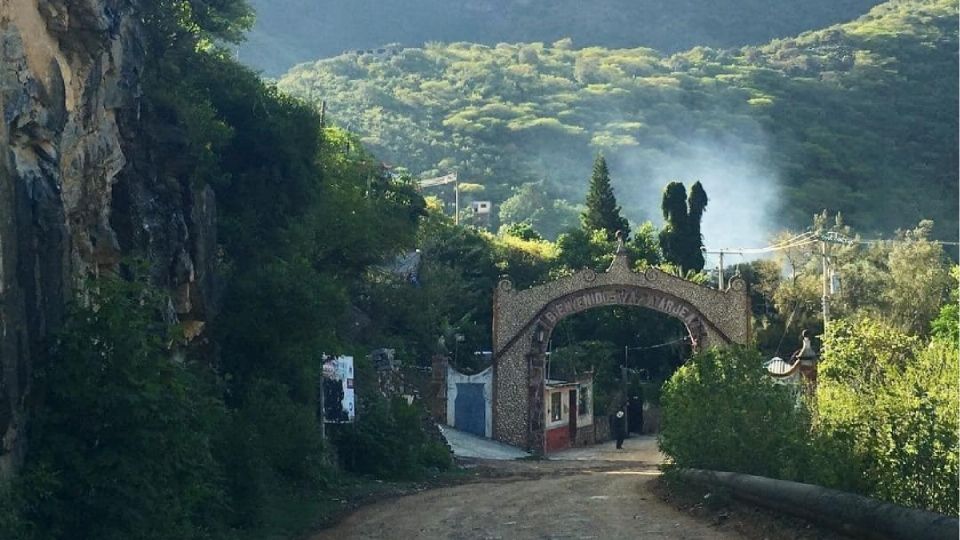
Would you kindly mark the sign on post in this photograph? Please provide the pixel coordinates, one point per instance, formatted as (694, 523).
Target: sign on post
(339, 399)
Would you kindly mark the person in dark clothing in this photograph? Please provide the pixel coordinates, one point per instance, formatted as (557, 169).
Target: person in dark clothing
(620, 427)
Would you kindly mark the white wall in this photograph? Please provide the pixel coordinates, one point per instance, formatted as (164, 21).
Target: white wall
(485, 378)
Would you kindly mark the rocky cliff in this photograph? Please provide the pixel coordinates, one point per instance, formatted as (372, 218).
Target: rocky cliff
(79, 190)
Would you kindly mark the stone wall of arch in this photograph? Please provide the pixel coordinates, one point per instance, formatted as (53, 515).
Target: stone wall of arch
(523, 321)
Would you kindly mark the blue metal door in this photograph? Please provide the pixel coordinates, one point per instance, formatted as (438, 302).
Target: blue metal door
(470, 410)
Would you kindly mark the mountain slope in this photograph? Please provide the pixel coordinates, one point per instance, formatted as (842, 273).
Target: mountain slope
(291, 31)
(859, 118)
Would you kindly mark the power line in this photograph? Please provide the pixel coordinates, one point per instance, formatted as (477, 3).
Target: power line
(797, 241)
(659, 345)
(810, 238)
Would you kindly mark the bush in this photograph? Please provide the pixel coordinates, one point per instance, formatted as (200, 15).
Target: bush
(12, 526)
(721, 412)
(388, 441)
(121, 441)
(271, 449)
(886, 422)
(388, 438)
(899, 424)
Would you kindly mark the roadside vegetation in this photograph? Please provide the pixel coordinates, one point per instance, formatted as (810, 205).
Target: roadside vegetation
(882, 420)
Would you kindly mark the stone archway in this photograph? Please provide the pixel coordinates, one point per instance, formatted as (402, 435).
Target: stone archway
(524, 320)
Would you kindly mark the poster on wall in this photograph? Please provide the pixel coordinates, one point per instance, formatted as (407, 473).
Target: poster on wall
(339, 400)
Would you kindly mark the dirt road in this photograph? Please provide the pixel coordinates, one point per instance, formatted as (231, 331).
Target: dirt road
(592, 494)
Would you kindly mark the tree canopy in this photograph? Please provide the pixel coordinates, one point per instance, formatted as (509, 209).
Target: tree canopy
(292, 31)
(602, 212)
(681, 239)
(825, 120)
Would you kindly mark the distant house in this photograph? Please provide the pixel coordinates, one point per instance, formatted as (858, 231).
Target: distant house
(481, 212)
(568, 413)
(481, 208)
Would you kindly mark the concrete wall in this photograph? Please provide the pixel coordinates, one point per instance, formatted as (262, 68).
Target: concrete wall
(596, 432)
(557, 439)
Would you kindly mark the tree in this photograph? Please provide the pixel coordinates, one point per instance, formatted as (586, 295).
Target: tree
(187, 24)
(542, 207)
(681, 238)
(602, 212)
(122, 442)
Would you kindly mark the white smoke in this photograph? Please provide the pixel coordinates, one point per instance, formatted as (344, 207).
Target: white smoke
(742, 186)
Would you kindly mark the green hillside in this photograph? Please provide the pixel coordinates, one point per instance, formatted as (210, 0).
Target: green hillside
(288, 32)
(859, 118)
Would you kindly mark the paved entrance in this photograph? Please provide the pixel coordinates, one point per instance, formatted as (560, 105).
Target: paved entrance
(467, 445)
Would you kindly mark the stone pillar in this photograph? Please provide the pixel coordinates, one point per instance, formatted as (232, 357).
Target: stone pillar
(535, 387)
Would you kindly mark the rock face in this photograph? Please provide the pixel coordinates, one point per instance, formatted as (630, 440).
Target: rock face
(78, 190)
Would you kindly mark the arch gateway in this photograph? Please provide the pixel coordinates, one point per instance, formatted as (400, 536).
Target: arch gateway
(523, 321)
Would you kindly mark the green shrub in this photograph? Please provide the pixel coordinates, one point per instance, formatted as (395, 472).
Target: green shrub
(272, 448)
(893, 404)
(388, 441)
(12, 526)
(121, 443)
(435, 455)
(886, 420)
(721, 412)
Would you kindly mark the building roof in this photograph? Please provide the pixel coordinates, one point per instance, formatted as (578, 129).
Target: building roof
(556, 383)
(778, 367)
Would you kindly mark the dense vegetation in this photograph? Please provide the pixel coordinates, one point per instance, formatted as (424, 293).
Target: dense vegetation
(883, 420)
(142, 434)
(859, 118)
(293, 31)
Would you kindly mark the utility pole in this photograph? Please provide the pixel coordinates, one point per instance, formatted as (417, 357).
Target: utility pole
(721, 252)
(826, 283)
(323, 405)
(456, 198)
(721, 269)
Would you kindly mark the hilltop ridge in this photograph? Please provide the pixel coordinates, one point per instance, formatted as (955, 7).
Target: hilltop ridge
(288, 32)
(859, 118)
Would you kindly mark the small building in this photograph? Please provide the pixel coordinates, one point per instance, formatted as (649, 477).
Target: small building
(481, 208)
(387, 51)
(801, 368)
(568, 410)
(482, 212)
(781, 371)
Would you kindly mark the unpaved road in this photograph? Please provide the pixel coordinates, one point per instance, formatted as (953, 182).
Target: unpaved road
(594, 493)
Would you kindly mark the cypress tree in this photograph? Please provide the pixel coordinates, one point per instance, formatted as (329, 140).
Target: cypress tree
(602, 212)
(674, 207)
(681, 238)
(698, 205)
